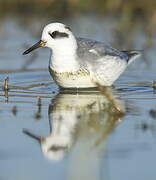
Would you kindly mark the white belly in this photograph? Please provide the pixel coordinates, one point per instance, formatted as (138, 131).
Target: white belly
(79, 79)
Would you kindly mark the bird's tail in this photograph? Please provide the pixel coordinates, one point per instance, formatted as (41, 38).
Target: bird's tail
(133, 54)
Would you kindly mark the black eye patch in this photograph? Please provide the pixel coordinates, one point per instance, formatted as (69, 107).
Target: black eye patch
(55, 148)
(57, 34)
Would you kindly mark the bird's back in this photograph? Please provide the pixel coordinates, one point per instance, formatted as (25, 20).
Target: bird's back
(92, 50)
(104, 63)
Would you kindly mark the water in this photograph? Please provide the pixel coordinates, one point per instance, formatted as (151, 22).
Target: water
(46, 134)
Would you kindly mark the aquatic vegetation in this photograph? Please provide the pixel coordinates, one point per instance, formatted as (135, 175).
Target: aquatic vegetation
(133, 8)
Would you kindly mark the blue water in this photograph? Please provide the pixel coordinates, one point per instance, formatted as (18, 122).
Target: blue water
(78, 136)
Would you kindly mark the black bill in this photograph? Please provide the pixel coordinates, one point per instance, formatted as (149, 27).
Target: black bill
(40, 139)
(35, 46)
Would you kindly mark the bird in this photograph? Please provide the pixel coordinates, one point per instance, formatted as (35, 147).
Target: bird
(77, 62)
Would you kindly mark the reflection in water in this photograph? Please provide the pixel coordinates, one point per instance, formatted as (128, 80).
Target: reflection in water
(79, 125)
(38, 113)
(152, 113)
(14, 110)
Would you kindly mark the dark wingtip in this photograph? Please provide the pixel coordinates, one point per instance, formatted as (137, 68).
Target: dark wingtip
(133, 54)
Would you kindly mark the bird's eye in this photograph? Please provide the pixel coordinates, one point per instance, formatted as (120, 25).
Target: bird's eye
(53, 34)
(57, 34)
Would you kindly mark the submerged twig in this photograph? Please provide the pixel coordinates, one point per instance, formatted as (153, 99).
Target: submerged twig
(38, 113)
(6, 86)
(14, 110)
(154, 85)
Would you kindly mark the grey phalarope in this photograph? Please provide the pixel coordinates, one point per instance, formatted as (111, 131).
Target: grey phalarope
(79, 62)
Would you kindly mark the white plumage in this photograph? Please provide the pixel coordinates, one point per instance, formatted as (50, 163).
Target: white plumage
(79, 62)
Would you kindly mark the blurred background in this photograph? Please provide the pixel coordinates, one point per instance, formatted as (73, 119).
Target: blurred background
(122, 23)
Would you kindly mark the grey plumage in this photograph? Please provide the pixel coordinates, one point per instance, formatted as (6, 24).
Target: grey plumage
(79, 62)
(85, 45)
(104, 62)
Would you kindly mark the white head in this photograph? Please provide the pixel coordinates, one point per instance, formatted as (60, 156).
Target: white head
(54, 147)
(55, 36)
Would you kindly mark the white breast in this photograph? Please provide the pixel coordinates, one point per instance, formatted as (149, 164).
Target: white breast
(78, 79)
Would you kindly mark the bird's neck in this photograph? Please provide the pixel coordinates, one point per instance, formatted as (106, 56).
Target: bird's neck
(64, 59)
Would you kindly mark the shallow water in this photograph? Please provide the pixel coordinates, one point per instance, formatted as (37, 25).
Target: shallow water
(46, 134)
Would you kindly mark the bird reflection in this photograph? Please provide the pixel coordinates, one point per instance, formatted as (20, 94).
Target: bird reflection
(79, 119)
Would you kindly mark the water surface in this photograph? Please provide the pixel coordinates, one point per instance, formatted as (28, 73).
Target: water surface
(47, 134)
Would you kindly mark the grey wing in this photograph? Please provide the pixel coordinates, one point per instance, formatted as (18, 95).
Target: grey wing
(103, 62)
(93, 49)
